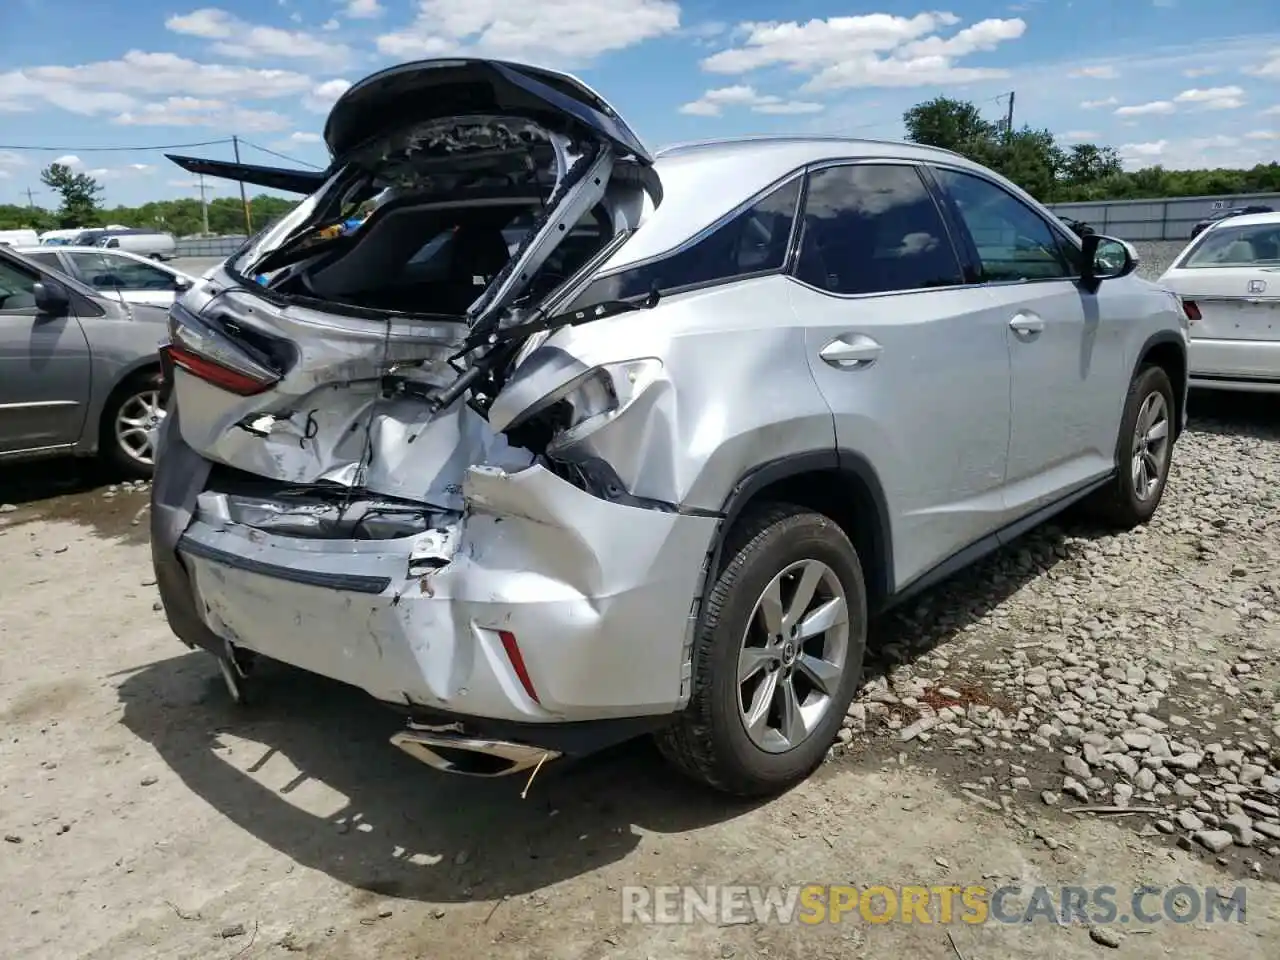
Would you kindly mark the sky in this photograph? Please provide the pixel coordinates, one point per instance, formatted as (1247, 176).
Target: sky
(102, 84)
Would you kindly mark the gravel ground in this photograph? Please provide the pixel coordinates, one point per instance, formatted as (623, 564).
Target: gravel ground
(144, 816)
(1138, 671)
(1155, 256)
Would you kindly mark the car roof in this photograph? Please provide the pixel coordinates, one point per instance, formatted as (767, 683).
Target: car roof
(820, 147)
(1248, 220)
(707, 180)
(72, 248)
(82, 288)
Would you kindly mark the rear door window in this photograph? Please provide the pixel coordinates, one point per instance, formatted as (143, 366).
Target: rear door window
(874, 228)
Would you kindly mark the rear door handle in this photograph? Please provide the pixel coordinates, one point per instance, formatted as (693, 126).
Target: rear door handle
(1026, 324)
(850, 353)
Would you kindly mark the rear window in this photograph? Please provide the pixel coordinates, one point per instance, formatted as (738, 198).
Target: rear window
(1235, 246)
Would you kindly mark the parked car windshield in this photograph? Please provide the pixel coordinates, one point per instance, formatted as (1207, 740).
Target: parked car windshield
(1237, 246)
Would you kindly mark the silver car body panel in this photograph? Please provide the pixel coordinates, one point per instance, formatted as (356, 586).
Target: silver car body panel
(962, 428)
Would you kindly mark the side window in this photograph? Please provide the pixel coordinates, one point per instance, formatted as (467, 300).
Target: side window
(753, 242)
(17, 287)
(1013, 241)
(133, 275)
(49, 260)
(874, 228)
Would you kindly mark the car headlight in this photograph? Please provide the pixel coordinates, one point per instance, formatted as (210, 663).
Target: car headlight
(590, 400)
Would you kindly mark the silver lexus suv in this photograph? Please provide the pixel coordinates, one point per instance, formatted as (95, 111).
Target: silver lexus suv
(548, 442)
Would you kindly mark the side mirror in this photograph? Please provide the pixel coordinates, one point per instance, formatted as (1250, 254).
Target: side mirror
(182, 284)
(51, 298)
(1106, 258)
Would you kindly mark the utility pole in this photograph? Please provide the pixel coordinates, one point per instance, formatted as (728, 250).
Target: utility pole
(248, 221)
(31, 201)
(1008, 123)
(204, 206)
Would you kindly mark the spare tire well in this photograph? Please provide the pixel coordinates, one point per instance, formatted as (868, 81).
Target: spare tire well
(845, 489)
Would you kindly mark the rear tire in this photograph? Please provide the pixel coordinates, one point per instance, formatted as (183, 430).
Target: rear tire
(1144, 452)
(130, 409)
(744, 733)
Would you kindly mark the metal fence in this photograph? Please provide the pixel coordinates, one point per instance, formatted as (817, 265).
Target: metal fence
(208, 246)
(1170, 219)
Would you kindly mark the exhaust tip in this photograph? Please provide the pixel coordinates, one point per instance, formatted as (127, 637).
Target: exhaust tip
(470, 756)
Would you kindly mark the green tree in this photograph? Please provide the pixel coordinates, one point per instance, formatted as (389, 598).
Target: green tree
(1087, 163)
(80, 195)
(950, 124)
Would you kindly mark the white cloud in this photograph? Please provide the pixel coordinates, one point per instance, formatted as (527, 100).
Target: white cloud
(1099, 72)
(874, 50)
(1155, 107)
(1218, 142)
(141, 167)
(1194, 72)
(330, 25)
(301, 136)
(713, 102)
(1269, 68)
(195, 112)
(248, 41)
(4, 174)
(10, 159)
(1213, 98)
(1144, 150)
(21, 92)
(564, 32)
(1272, 111)
(69, 160)
(167, 74)
(1079, 135)
(1262, 135)
(323, 95)
(1095, 104)
(364, 9)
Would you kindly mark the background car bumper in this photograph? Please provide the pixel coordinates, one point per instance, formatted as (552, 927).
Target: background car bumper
(1235, 364)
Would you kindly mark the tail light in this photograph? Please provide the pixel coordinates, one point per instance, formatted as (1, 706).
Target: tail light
(204, 351)
(1192, 310)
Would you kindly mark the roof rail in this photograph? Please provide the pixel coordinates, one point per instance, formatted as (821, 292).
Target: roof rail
(791, 138)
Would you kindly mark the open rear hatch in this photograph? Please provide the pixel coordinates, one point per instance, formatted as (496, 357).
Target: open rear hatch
(332, 352)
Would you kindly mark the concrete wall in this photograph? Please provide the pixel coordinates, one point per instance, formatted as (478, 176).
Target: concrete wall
(208, 246)
(1170, 219)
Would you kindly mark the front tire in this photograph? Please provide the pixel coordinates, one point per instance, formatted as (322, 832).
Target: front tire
(777, 655)
(1144, 452)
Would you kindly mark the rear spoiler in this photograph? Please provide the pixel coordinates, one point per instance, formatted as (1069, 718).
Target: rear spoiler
(276, 178)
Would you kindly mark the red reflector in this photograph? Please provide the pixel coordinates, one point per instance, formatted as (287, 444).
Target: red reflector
(1192, 310)
(214, 373)
(517, 662)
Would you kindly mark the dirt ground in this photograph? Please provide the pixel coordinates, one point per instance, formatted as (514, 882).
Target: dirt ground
(143, 815)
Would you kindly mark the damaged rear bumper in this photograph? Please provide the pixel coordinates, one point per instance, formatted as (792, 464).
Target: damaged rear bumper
(554, 606)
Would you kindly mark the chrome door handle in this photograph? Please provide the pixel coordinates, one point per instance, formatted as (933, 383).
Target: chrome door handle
(849, 353)
(1026, 323)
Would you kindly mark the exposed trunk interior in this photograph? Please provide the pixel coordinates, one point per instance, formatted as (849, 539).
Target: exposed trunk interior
(425, 220)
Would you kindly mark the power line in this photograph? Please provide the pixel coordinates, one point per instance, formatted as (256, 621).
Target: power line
(140, 149)
(281, 156)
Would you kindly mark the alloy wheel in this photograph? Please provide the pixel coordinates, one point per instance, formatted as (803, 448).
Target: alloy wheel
(137, 422)
(793, 655)
(1150, 446)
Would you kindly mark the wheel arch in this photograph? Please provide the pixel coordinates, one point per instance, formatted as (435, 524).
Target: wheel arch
(1168, 351)
(124, 377)
(840, 484)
